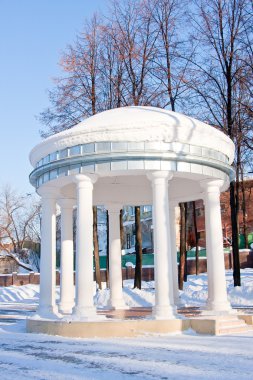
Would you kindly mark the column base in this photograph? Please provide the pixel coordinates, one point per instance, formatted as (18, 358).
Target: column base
(177, 300)
(217, 308)
(48, 312)
(164, 312)
(179, 303)
(66, 307)
(118, 304)
(84, 313)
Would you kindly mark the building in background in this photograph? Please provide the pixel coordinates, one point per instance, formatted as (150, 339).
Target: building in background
(245, 218)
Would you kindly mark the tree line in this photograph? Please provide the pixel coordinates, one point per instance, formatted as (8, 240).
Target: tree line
(191, 57)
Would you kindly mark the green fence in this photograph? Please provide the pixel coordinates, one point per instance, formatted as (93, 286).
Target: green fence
(148, 258)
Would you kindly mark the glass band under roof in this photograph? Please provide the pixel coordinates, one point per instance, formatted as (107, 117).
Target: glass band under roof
(104, 167)
(111, 147)
(107, 156)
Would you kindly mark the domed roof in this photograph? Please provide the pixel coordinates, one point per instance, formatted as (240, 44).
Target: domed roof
(134, 124)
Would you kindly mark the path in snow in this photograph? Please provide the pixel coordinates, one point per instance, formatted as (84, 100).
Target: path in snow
(29, 356)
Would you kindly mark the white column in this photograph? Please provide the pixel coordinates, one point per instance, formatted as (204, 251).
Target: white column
(174, 251)
(217, 290)
(47, 306)
(67, 257)
(84, 307)
(164, 299)
(115, 267)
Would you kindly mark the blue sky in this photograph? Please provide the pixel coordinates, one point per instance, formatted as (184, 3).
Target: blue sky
(33, 33)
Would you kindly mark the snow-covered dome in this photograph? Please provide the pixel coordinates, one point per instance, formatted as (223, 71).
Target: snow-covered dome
(137, 124)
(135, 133)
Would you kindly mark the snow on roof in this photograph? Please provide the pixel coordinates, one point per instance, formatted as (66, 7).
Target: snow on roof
(137, 123)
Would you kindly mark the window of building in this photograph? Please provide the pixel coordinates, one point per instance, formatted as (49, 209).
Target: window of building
(201, 234)
(88, 148)
(63, 153)
(75, 150)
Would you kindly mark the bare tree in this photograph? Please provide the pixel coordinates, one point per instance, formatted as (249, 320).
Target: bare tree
(138, 248)
(111, 70)
(170, 63)
(96, 248)
(76, 94)
(182, 258)
(219, 33)
(19, 223)
(196, 237)
(107, 250)
(135, 38)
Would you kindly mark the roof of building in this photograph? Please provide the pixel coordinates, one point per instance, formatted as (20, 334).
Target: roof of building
(135, 124)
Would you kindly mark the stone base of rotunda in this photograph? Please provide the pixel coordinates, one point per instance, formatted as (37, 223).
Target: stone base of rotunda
(219, 325)
(106, 329)
(110, 328)
(132, 328)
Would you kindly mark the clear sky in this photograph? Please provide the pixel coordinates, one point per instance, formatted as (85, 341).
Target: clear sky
(33, 33)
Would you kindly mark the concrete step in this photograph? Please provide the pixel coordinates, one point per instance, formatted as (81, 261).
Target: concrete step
(232, 326)
(247, 318)
(227, 317)
(231, 323)
(234, 330)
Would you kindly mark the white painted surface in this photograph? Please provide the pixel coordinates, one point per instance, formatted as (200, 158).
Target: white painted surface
(47, 306)
(115, 270)
(172, 226)
(137, 124)
(217, 292)
(164, 298)
(84, 307)
(67, 257)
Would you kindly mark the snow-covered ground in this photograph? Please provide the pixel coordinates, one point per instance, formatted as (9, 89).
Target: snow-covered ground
(194, 293)
(182, 356)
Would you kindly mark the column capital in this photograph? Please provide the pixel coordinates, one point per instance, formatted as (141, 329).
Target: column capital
(48, 192)
(211, 186)
(66, 203)
(113, 208)
(159, 175)
(83, 180)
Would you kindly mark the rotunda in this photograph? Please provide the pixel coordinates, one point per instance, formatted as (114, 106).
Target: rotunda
(128, 156)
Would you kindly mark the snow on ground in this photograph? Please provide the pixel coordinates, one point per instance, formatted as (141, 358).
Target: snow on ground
(194, 293)
(183, 356)
(29, 356)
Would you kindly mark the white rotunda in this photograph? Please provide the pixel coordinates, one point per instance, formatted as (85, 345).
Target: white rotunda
(128, 156)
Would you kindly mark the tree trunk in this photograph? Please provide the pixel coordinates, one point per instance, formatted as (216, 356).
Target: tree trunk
(96, 248)
(138, 248)
(196, 238)
(121, 238)
(244, 211)
(107, 250)
(121, 229)
(186, 241)
(182, 246)
(235, 242)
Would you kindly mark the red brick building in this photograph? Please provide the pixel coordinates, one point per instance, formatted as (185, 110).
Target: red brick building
(225, 215)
